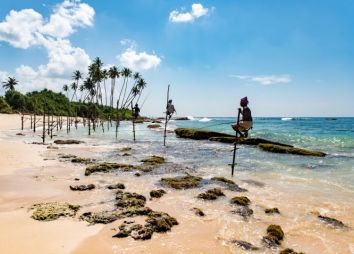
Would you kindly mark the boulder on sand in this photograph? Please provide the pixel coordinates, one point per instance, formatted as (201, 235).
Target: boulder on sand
(198, 134)
(67, 142)
(290, 150)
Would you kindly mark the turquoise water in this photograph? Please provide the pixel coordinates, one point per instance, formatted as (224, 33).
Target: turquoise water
(333, 136)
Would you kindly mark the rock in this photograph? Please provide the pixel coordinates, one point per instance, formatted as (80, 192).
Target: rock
(241, 201)
(198, 212)
(107, 167)
(116, 186)
(246, 141)
(154, 126)
(198, 134)
(77, 179)
(184, 118)
(290, 150)
(153, 160)
(82, 187)
(156, 121)
(137, 174)
(161, 222)
(133, 211)
(126, 154)
(211, 194)
(81, 160)
(20, 134)
(143, 233)
(52, 147)
(99, 217)
(229, 184)
(245, 245)
(67, 156)
(127, 199)
(253, 182)
(272, 210)
(157, 193)
(331, 221)
(243, 211)
(274, 236)
(139, 121)
(67, 142)
(184, 182)
(290, 251)
(54, 210)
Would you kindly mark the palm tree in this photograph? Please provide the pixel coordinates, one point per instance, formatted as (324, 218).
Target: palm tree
(96, 76)
(113, 73)
(66, 89)
(126, 73)
(81, 89)
(77, 75)
(104, 77)
(10, 84)
(74, 87)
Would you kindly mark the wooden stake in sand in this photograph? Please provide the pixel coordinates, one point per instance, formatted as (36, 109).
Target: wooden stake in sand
(133, 120)
(235, 143)
(43, 135)
(168, 97)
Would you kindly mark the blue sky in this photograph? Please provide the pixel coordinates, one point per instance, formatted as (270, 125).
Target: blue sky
(291, 58)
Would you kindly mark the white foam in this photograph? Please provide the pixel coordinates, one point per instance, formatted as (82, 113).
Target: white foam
(191, 118)
(286, 119)
(205, 119)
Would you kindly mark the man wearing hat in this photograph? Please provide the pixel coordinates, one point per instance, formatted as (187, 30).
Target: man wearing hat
(246, 122)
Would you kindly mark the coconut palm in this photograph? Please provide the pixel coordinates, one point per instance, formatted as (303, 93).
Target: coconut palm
(126, 73)
(10, 83)
(77, 75)
(113, 73)
(74, 87)
(66, 89)
(104, 77)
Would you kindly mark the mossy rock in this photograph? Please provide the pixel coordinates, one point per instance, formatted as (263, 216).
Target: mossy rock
(52, 211)
(156, 121)
(244, 211)
(129, 199)
(290, 150)
(154, 126)
(67, 142)
(198, 212)
(82, 187)
(198, 134)
(153, 160)
(184, 182)
(125, 149)
(272, 210)
(99, 217)
(107, 167)
(132, 211)
(276, 231)
(222, 179)
(241, 201)
(136, 231)
(246, 141)
(67, 156)
(81, 160)
(245, 245)
(161, 222)
(290, 251)
(139, 121)
(116, 186)
(157, 193)
(211, 194)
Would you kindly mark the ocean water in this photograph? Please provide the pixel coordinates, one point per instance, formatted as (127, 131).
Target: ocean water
(334, 136)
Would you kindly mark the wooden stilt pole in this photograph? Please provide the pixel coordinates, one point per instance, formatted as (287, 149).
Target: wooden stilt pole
(164, 135)
(235, 146)
(22, 120)
(31, 121)
(34, 122)
(43, 137)
(133, 120)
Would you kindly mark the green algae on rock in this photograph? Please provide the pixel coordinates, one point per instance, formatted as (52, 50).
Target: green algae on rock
(129, 199)
(153, 160)
(67, 142)
(245, 245)
(198, 134)
(290, 150)
(99, 217)
(82, 187)
(53, 210)
(272, 210)
(274, 236)
(81, 160)
(116, 186)
(231, 185)
(222, 179)
(183, 182)
(154, 126)
(290, 251)
(241, 201)
(331, 221)
(211, 194)
(107, 167)
(161, 222)
(157, 193)
(132, 211)
(243, 211)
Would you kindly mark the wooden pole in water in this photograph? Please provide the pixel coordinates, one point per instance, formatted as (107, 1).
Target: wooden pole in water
(31, 122)
(235, 144)
(117, 120)
(168, 97)
(43, 137)
(22, 122)
(133, 119)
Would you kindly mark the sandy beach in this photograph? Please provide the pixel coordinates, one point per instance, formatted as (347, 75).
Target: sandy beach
(33, 174)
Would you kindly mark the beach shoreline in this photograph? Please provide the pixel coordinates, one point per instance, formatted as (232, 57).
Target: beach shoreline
(33, 174)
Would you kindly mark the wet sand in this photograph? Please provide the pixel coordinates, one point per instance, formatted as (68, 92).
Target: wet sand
(32, 173)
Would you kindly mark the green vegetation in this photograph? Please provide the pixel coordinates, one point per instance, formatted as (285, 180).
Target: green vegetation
(54, 210)
(184, 182)
(4, 106)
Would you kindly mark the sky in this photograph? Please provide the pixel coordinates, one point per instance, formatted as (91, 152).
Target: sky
(290, 58)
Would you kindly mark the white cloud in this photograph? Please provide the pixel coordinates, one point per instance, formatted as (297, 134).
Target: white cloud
(138, 61)
(187, 17)
(265, 79)
(26, 28)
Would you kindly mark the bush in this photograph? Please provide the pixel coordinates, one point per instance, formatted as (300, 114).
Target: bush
(4, 106)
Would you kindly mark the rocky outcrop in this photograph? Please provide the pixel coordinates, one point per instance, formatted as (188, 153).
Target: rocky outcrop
(272, 210)
(331, 221)
(198, 134)
(82, 187)
(129, 199)
(245, 245)
(211, 194)
(184, 182)
(241, 201)
(107, 167)
(184, 118)
(67, 142)
(52, 211)
(290, 251)
(154, 126)
(229, 184)
(274, 236)
(116, 186)
(198, 212)
(290, 150)
(157, 193)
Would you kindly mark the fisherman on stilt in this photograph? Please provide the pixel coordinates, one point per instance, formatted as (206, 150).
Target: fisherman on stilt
(170, 110)
(246, 122)
(136, 111)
